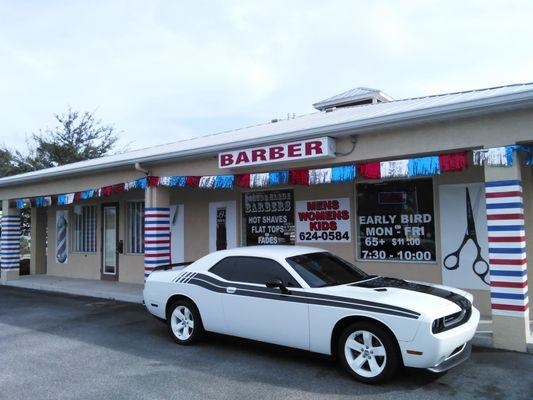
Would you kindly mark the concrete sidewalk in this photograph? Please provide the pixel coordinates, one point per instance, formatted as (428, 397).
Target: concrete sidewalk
(129, 292)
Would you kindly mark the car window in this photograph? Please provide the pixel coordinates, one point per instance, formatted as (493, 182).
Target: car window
(223, 268)
(325, 269)
(252, 270)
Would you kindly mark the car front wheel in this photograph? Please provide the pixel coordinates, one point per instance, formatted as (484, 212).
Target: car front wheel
(184, 322)
(368, 352)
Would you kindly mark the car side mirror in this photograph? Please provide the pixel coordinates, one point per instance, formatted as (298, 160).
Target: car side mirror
(276, 283)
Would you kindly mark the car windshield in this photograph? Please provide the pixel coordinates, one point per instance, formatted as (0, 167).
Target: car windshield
(325, 269)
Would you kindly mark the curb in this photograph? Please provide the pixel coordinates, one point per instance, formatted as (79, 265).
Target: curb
(483, 340)
(78, 292)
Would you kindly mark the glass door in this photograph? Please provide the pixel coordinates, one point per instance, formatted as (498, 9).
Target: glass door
(222, 242)
(110, 242)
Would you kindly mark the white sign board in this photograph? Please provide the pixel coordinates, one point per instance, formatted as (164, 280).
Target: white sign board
(463, 231)
(296, 151)
(320, 221)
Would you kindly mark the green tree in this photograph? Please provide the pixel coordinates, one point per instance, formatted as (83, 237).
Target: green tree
(7, 163)
(77, 136)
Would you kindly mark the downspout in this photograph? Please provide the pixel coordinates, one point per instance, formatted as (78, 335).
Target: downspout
(139, 168)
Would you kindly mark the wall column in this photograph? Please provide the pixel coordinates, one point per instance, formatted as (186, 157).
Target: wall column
(156, 228)
(38, 241)
(507, 257)
(10, 243)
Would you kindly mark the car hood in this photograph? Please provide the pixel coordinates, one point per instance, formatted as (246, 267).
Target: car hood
(427, 299)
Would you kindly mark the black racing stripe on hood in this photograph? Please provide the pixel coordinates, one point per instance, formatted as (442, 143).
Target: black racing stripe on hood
(384, 282)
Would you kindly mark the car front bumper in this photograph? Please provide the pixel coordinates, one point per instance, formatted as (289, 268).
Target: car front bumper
(442, 351)
(462, 354)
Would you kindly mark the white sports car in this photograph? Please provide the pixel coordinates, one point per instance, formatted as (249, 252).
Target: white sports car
(310, 299)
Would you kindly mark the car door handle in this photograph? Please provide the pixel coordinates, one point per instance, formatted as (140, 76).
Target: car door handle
(231, 290)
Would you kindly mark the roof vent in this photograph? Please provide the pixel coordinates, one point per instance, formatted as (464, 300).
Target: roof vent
(354, 97)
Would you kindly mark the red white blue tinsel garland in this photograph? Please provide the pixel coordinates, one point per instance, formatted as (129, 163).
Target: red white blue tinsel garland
(406, 168)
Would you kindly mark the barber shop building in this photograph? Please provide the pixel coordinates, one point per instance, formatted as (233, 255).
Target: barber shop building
(436, 189)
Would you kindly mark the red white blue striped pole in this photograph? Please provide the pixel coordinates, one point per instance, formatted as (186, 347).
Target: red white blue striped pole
(507, 248)
(156, 238)
(10, 243)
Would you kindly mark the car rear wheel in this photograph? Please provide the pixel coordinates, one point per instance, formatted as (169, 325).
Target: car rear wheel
(184, 322)
(368, 352)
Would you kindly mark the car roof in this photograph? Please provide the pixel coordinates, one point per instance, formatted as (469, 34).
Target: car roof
(273, 252)
(269, 251)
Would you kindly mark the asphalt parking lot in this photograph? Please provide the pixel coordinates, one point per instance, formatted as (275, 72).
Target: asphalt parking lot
(64, 347)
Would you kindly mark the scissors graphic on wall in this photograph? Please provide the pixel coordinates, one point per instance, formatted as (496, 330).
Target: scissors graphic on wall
(453, 260)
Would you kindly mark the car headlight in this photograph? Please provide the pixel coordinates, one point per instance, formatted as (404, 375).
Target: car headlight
(450, 321)
(438, 325)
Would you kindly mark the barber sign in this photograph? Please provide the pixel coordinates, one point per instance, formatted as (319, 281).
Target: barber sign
(295, 151)
(319, 221)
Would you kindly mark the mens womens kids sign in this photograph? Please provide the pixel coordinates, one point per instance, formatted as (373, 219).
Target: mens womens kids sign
(319, 221)
(295, 151)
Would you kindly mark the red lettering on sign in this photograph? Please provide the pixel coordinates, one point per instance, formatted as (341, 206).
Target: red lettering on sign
(324, 215)
(242, 158)
(259, 155)
(226, 159)
(323, 226)
(314, 147)
(294, 150)
(275, 152)
(323, 205)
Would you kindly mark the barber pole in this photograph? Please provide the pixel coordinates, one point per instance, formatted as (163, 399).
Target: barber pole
(507, 247)
(61, 240)
(10, 243)
(156, 238)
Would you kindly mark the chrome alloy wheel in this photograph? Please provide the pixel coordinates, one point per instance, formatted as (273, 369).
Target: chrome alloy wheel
(365, 354)
(182, 322)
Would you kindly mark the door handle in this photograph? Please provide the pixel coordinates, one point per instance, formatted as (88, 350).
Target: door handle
(120, 247)
(231, 290)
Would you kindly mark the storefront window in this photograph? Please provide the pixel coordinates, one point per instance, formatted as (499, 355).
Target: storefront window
(84, 229)
(268, 217)
(396, 221)
(135, 227)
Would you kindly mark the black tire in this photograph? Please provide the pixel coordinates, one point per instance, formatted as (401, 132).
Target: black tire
(197, 329)
(388, 364)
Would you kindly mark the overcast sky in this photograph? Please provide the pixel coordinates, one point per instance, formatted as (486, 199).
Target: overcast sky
(162, 71)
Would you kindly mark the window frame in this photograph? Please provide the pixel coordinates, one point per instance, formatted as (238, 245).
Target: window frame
(127, 236)
(290, 273)
(73, 233)
(436, 220)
